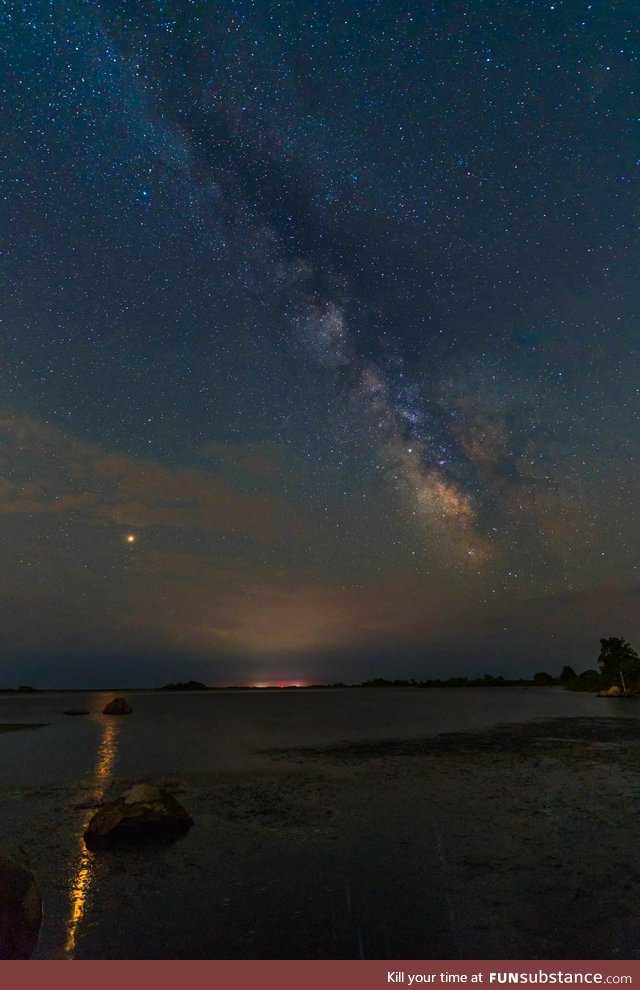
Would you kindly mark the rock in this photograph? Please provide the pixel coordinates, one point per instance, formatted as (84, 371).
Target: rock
(20, 906)
(77, 711)
(119, 706)
(142, 815)
(614, 691)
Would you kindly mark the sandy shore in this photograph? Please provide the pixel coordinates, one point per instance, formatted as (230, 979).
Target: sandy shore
(520, 842)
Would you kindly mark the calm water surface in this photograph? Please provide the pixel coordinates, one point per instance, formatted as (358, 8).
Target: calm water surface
(168, 902)
(207, 732)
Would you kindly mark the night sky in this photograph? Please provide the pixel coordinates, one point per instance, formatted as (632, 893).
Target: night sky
(319, 339)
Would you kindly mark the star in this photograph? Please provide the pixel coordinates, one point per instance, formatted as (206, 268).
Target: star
(265, 278)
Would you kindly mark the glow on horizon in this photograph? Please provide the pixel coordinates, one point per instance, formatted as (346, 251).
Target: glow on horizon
(278, 684)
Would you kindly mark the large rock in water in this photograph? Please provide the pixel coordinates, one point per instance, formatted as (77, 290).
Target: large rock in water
(142, 815)
(119, 706)
(20, 906)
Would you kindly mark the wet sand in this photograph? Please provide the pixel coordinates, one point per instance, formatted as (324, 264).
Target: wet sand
(518, 842)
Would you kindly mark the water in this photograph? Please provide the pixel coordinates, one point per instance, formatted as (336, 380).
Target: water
(297, 861)
(174, 733)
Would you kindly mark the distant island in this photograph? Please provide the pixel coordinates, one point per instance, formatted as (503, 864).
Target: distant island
(186, 686)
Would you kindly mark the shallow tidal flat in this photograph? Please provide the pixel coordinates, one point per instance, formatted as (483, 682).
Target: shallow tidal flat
(514, 842)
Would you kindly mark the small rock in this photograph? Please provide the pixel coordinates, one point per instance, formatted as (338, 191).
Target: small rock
(77, 711)
(142, 815)
(20, 906)
(119, 706)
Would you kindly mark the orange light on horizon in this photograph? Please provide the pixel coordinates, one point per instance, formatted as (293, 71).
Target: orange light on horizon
(278, 684)
(130, 538)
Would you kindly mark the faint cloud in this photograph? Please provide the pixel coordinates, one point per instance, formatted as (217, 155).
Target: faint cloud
(44, 470)
(261, 460)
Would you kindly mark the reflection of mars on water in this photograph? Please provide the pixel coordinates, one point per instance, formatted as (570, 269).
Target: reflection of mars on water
(81, 882)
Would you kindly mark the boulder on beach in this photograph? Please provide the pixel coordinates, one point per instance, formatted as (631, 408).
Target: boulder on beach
(142, 815)
(119, 706)
(20, 906)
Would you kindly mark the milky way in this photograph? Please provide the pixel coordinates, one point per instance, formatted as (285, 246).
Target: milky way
(335, 309)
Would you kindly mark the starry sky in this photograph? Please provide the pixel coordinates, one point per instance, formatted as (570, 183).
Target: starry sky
(319, 339)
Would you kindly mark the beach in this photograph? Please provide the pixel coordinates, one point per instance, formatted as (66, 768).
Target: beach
(515, 841)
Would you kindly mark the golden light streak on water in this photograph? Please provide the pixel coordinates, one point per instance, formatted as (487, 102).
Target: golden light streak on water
(85, 869)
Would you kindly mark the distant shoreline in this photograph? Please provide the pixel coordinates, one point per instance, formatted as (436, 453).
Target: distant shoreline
(380, 683)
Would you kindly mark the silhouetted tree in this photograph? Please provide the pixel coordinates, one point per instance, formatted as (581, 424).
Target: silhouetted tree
(616, 657)
(568, 674)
